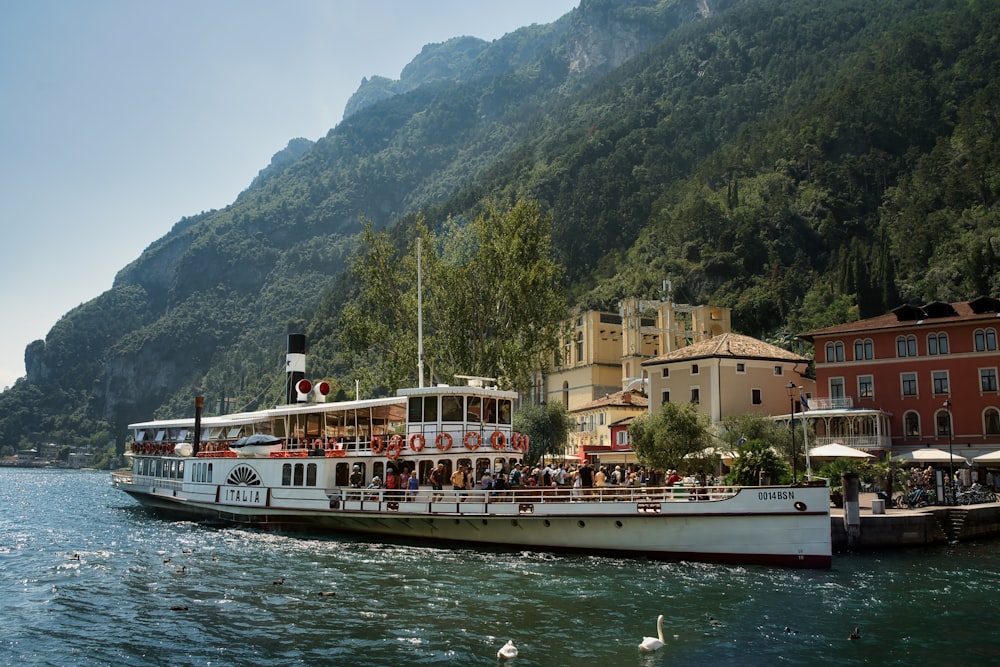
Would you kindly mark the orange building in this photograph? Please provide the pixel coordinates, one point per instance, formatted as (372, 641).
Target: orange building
(931, 369)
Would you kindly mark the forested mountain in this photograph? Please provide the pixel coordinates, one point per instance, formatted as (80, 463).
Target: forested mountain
(800, 162)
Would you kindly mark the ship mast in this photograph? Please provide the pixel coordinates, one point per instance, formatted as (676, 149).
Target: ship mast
(420, 323)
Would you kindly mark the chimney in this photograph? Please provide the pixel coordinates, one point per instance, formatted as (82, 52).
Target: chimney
(295, 366)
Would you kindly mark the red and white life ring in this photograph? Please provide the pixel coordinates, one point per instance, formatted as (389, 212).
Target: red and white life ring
(394, 447)
(443, 441)
(377, 445)
(498, 440)
(417, 442)
(472, 440)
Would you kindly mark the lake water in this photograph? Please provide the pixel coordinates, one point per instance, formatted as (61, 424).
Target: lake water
(84, 582)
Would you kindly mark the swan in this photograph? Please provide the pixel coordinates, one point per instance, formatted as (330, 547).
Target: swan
(508, 650)
(650, 644)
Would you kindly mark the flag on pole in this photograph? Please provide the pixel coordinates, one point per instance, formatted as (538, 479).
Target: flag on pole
(802, 401)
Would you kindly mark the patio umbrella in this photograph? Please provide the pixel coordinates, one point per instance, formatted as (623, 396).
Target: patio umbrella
(992, 457)
(929, 455)
(835, 450)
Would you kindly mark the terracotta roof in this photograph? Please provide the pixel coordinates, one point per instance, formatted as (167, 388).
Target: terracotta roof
(906, 316)
(728, 345)
(617, 399)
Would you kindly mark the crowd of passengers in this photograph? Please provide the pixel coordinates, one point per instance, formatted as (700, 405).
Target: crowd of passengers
(405, 482)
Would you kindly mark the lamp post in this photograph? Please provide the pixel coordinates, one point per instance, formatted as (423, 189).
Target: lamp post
(951, 456)
(790, 387)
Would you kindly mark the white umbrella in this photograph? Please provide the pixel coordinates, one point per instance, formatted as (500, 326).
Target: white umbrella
(992, 457)
(929, 455)
(835, 450)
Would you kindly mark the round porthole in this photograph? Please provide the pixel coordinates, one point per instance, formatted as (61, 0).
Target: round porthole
(547, 523)
(513, 522)
(800, 506)
(581, 523)
(618, 524)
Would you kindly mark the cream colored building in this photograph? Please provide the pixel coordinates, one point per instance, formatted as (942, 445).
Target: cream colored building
(603, 352)
(594, 419)
(729, 374)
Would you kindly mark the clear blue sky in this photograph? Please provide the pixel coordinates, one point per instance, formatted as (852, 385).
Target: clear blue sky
(119, 117)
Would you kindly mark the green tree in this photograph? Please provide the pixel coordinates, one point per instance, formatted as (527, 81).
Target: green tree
(491, 300)
(664, 439)
(756, 456)
(547, 428)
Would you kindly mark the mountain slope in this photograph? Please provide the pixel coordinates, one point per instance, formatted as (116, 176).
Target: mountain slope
(796, 161)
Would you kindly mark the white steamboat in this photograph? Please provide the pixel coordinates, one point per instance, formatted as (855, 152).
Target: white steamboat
(297, 476)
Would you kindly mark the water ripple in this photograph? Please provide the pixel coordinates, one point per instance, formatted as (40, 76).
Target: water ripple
(85, 583)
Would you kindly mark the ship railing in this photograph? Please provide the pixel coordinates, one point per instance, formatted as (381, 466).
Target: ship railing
(378, 498)
(122, 478)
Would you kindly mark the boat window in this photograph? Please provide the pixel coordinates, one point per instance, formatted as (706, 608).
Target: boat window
(234, 433)
(140, 435)
(341, 477)
(377, 470)
(431, 409)
(505, 412)
(490, 405)
(451, 408)
(182, 435)
(415, 412)
(278, 428)
(286, 474)
(160, 436)
(310, 474)
(210, 466)
(424, 471)
(474, 412)
(214, 433)
(312, 426)
(297, 481)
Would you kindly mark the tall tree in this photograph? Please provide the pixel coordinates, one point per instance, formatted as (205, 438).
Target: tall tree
(492, 300)
(664, 439)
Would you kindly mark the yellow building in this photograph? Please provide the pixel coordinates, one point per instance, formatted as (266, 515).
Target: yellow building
(729, 374)
(594, 419)
(603, 352)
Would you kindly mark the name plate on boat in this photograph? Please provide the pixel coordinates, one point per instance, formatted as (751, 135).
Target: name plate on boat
(249, 496)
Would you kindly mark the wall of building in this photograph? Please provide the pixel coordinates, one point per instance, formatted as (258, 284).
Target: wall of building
(962, 366)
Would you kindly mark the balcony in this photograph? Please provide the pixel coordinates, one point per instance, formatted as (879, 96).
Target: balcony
(862, 442)
(842, 403)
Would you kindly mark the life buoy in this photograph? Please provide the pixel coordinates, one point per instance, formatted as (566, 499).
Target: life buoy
(318, 443)
(498, 440)
(515, 441)
(377, 445)
(443, 441)
(472, 440)
(395, 447)
(417, 442)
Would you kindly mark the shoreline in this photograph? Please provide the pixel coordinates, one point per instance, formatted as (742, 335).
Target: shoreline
(935, 524)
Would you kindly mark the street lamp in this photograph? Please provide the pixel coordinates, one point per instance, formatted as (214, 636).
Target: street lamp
(951, 456)
(790, 387)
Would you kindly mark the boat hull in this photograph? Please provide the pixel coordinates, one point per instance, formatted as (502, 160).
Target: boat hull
(755, 525)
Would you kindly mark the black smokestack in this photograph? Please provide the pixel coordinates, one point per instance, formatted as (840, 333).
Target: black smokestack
(295, 366)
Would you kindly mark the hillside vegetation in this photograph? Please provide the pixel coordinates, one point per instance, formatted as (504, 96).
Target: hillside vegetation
(803, 163)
